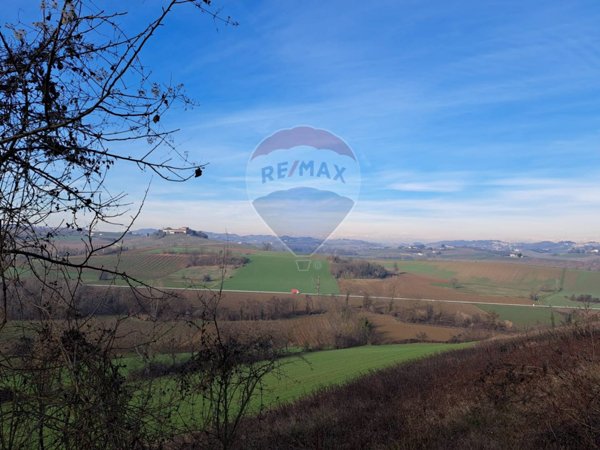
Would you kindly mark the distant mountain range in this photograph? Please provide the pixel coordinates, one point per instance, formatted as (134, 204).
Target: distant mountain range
(495, 245)
(357, 246)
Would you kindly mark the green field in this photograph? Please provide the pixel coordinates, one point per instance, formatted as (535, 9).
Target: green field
(523, 316)
(278, 272)
(301, 376)
(576, 282)
(194, 277)
(329, 367)
(501, 278)
(266, 271)
(131, 363)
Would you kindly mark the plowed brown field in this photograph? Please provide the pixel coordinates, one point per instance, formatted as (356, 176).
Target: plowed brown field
(500, 271)
(419, 287)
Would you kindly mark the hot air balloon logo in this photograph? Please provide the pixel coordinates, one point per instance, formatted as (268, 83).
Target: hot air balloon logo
(303, 182)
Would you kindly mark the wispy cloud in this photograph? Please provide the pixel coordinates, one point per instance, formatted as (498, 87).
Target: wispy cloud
(428, 186)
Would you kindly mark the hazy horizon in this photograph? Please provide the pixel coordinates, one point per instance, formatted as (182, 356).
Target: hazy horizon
(383, 240)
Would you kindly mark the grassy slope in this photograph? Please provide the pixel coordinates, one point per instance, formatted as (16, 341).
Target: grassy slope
(303, 375)
(536, 392)
(318, 369)
(576, 282)
(277, 272)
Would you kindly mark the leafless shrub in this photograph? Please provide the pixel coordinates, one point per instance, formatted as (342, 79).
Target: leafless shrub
(65, 109)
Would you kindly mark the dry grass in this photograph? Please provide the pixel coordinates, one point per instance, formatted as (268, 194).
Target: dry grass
(391, 330)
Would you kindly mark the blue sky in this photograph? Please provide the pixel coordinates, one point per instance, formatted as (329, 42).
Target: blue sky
(470, 119)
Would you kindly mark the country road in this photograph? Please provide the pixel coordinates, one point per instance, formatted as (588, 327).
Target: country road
(434, 300)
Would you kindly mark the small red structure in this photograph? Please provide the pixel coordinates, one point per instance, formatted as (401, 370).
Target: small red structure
(295, 291)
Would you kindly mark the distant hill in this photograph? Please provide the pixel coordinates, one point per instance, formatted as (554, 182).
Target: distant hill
(151, 231)
(144, 231)
(361, 247)
(342, 246)
(560, 247)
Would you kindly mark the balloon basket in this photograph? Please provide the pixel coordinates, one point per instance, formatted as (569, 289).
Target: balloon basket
(303, 265)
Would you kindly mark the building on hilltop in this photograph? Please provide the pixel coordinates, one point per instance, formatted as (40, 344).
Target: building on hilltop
(181, 230)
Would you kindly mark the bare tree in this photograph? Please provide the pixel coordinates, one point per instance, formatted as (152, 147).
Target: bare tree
(73, 95)
(224, 379)
(73, 91)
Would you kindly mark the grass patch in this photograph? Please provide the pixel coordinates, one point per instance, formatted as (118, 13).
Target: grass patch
(315, 370)
(523, 316)
(277, 272)
(131, 363)
(575, 282)
(334, 367)
(198, 277)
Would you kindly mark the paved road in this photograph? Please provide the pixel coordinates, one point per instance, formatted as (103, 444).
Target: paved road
(434, 300)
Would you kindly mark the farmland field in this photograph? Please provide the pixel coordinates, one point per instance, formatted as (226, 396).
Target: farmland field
(329, 367)
(415, 286)
(167, 262)
(393, 330)
(524, 316)
(576, 282)
(277, 272)
(195, 277)
(319, 330)
(301, 376)
(171, 265)
(491, 277)
(143, 266)
(424, 268)
(461, 279)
